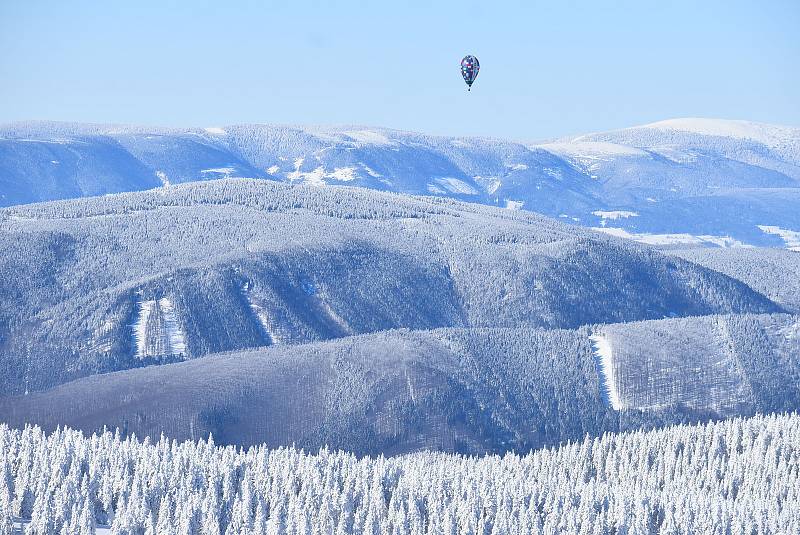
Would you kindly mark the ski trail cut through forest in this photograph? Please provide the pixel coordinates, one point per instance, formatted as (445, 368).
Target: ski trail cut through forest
(157, 331)
(270, 336)
(604, 360)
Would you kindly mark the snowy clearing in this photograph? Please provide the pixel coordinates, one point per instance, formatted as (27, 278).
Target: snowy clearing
(157, 331)
(790, 237)
(227, 171)
(319, 176)
(673, 239)
(215, 130)
(343, 174)
(614, 214)
(162, 176)
(454, 185)
(604, 359)
(261, 315)
(369, 137)
(514, 205)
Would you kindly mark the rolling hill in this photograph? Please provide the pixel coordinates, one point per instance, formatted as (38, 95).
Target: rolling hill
(458, 390)
(370, 321)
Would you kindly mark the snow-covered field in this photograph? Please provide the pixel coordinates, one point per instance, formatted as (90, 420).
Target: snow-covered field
(790, 237)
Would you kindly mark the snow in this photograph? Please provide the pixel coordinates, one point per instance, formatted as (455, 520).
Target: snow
(369, 137)
(344, 174)
(614, 214)
(488, 183)
(261, 315)
(555, 173)
(604, 358)
(673, 239)
(514, 205)
(159, 335)
(767, 134)
(371, 172)
(273, 170)
(590, 149)
(140, 327)
(318, 176)
(215, 130)
(790, 237)
(454, 185)
(315, 177)
(162, 176)
(518, 167)
(227, 171)
(791, 332)
(100, 340)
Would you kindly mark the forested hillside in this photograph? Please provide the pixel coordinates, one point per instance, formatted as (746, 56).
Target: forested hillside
(737, 476)
(110, 283)
(459, 390)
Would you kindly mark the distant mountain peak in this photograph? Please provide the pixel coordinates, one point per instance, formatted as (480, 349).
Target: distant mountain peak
(762, 132)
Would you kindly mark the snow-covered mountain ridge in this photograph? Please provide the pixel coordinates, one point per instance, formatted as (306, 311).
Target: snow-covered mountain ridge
(702, 181)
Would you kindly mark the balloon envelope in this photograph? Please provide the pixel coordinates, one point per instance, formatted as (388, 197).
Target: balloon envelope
(469, 69)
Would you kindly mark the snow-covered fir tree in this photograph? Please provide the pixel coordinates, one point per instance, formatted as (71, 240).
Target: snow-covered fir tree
(733, 476)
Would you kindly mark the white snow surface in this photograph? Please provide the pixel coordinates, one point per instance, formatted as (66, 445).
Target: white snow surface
(227, 171)
(369, 137)
(590, 149)
(614, 214)
(790, 237)
(160, 335)
(319, 176)
(215, 130)
(344, 174)
(371, 172)
(605, 365)
(673, 239)
(273, 170)
(454, 185)
(767, 134)
(162, 176)
(514, 205)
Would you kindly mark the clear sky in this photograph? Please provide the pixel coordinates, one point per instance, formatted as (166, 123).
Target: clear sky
(547, 68)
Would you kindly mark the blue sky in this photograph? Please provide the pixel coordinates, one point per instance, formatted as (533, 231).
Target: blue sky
(547, 68)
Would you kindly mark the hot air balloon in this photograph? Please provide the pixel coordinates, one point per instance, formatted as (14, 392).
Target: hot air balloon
(469, 70)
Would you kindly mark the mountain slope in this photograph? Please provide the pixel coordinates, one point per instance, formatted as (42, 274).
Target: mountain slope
(465, 390)
(102, 284)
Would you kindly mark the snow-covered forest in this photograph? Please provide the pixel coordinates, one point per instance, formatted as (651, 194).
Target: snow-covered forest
(735, 476)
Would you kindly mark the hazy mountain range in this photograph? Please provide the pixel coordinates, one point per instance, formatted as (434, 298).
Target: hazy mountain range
(683, 182)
